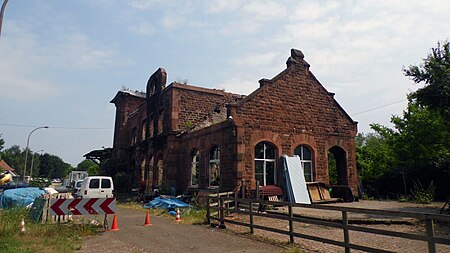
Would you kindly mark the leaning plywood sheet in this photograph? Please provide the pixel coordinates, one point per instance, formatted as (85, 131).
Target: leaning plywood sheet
(295, 180)
(314, 192)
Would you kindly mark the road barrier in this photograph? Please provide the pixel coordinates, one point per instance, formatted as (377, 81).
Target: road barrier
(430, 220)
(82, 206)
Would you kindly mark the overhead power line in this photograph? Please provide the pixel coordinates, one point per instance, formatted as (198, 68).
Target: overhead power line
(61, 127)
(379, 107)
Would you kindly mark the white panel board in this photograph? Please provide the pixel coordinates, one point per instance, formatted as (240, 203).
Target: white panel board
(296, 180)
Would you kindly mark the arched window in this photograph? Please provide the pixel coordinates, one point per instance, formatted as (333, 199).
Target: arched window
(144, 130)
(306, 159)
(265, 163)
(195, 167)
(214, 166)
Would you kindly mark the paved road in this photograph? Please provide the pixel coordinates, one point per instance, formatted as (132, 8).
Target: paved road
(167, 236)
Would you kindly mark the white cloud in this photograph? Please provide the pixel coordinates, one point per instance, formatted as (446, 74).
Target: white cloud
(79, 51)
(145, 4)
(239, 86)
(310, 11)
(143, 28)
(217, 6)
(255, 60)
(264, 10)
(21, 77)
(28, 60)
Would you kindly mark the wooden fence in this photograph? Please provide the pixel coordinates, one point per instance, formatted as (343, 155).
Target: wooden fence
(429, 219)
(227, 203)
(41, 208)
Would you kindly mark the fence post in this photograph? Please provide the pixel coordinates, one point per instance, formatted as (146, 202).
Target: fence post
(221, 213)
(291, 224)
(243, 189)
(208, 210)
(430, 235)
(235, 200)
(257, 190)
(251, 217)
(346, 234)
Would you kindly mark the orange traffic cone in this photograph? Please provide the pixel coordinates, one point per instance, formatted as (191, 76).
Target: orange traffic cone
(22, 226)
(147, 220)
(178, 217)
(114, 226)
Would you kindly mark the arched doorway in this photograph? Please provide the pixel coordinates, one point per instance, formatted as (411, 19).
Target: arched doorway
(337, 166)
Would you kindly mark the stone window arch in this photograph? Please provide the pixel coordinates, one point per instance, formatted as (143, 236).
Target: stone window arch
(266, 163)
(214, 166)
(306, 158)
(195, 167)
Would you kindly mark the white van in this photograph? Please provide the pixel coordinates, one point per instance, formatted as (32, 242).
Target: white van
(97, 187)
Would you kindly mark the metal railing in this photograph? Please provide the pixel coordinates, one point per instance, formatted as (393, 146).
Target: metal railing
(429, 219)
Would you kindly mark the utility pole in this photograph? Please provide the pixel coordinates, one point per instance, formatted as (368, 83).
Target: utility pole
(2, 12)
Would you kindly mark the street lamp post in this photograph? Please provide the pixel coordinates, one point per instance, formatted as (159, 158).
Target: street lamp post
(2, 12)
(26, 151)
(32, 159)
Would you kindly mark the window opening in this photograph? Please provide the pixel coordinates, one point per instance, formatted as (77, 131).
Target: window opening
(265, 163)
(195, 167)
(214, 166)
(306, 160)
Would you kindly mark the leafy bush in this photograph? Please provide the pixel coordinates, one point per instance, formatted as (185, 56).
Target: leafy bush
(40, 182)
(422, 195)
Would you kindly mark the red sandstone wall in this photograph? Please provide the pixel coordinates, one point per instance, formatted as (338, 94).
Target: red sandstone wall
(295, 109)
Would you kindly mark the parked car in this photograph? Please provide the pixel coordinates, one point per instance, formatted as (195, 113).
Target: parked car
(97, 187)
(76, 188)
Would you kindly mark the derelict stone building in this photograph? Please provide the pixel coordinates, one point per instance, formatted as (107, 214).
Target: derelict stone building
(200, 139)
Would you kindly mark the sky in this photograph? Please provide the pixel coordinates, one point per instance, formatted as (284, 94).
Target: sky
(61, 62)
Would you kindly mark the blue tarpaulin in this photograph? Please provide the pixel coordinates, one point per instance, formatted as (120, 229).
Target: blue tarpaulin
(166, 203)
(19, 197)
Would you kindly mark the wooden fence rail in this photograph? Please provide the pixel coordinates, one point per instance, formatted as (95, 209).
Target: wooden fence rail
(429, 219)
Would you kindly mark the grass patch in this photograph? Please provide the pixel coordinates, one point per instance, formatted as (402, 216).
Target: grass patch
(48, 238)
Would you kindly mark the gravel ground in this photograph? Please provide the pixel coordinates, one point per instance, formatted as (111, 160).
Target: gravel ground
(377, 241)
(165, 235)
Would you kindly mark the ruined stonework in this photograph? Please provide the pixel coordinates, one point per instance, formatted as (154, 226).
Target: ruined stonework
(166, 134)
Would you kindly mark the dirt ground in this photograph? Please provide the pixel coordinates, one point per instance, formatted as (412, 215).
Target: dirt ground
(387, 243)
(166, 236)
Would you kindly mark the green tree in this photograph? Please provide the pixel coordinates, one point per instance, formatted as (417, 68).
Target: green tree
(374, 157)
(435, 73)
(52, 166)
(35, 158)
(90, 166)
(420, 142)
(15, 157)
(2, 143)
